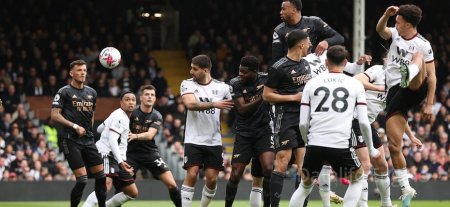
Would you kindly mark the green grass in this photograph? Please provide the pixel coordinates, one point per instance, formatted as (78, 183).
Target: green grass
(217, 203)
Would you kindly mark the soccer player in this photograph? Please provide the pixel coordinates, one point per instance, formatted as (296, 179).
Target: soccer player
(113, 147)
(320, 33)
(327, 107)
(73, 107)
(204, 97)
(283, 88)
(253, 133)
(145, 122)
(408, 81)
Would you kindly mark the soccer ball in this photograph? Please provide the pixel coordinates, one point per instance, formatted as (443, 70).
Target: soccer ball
(109, 57)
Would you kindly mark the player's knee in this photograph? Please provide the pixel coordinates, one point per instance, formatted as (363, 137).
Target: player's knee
(211, 180)
(236, 174)
(394, 147)
(82, 180)
(267, 170)
(133, 194)
(99, 175)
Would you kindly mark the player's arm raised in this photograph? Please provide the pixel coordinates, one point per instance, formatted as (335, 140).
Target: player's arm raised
(381, 28)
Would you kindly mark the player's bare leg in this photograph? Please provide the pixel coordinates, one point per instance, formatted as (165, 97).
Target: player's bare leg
(209, 190)
(187, 189)
(174, 192)
(363, 155)
(237, 169)
(382, 178)
(396, 125)
(276, 181)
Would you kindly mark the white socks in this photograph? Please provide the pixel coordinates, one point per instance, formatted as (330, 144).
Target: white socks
(187, 193)
(402, 178)
(384, 186)
(365, 192)
(91, 200)
(324, 185)
(118, 200)
(299, 196)
(256, 197)
(353, 193)
(207, 196)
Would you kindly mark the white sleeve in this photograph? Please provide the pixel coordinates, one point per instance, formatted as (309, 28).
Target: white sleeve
(186, 88)
(427, 51)
(353, 68)
(115, 131)
(394, 32)
(364, 124)
(228, 92)
(305, 113)
(373, 72)
(101, 127)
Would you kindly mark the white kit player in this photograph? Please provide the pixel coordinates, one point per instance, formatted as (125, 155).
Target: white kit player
(317, 65)
(112, 145)
(410, 78)
(204, 97)
(326, 114)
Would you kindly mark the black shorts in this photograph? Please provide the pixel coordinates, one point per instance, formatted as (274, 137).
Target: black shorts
(400, 100)
(247, 147)
(121, 178)
(343, 161)
(286, 131)
(357, 139)
(79, 156)
(152, 161)
(203, 156)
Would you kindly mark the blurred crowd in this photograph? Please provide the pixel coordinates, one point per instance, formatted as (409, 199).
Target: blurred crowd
(35, 51)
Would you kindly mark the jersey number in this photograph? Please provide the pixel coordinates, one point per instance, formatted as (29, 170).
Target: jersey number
(336, 99)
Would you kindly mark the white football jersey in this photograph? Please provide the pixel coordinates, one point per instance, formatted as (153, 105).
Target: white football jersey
(332, 98)
(401, 51)
(375, 99)
(117, 122)
(317, 65)
(203, 127)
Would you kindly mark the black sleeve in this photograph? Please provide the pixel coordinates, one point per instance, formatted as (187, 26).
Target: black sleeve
(58, 100)
(236, 89)
(328, 33)
(157, 121)
(274, 78)
(277, 47)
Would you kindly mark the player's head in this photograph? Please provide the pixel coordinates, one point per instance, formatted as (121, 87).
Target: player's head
(200, 67)
(147, 95)
(408, 16)
(127, 101)
(289, 9)
(248, 69)
(298, 39)
(336, 57)
(78, 71)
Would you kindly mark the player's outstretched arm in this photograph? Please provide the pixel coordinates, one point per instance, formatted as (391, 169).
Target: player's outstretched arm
(364, 79)
(381, 28)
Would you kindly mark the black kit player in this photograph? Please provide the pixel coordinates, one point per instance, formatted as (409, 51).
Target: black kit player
(73, 107)
(284, 87)
(320, 33)
(145, 121)
(253, 133)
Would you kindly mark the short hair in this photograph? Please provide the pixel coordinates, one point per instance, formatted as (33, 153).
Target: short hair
(76, 63)
(250, 62)
(202, 61)
(295, 36)
(296, 3)
(146, 87)
(411, 13)
(336, 54)
(125, 92)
